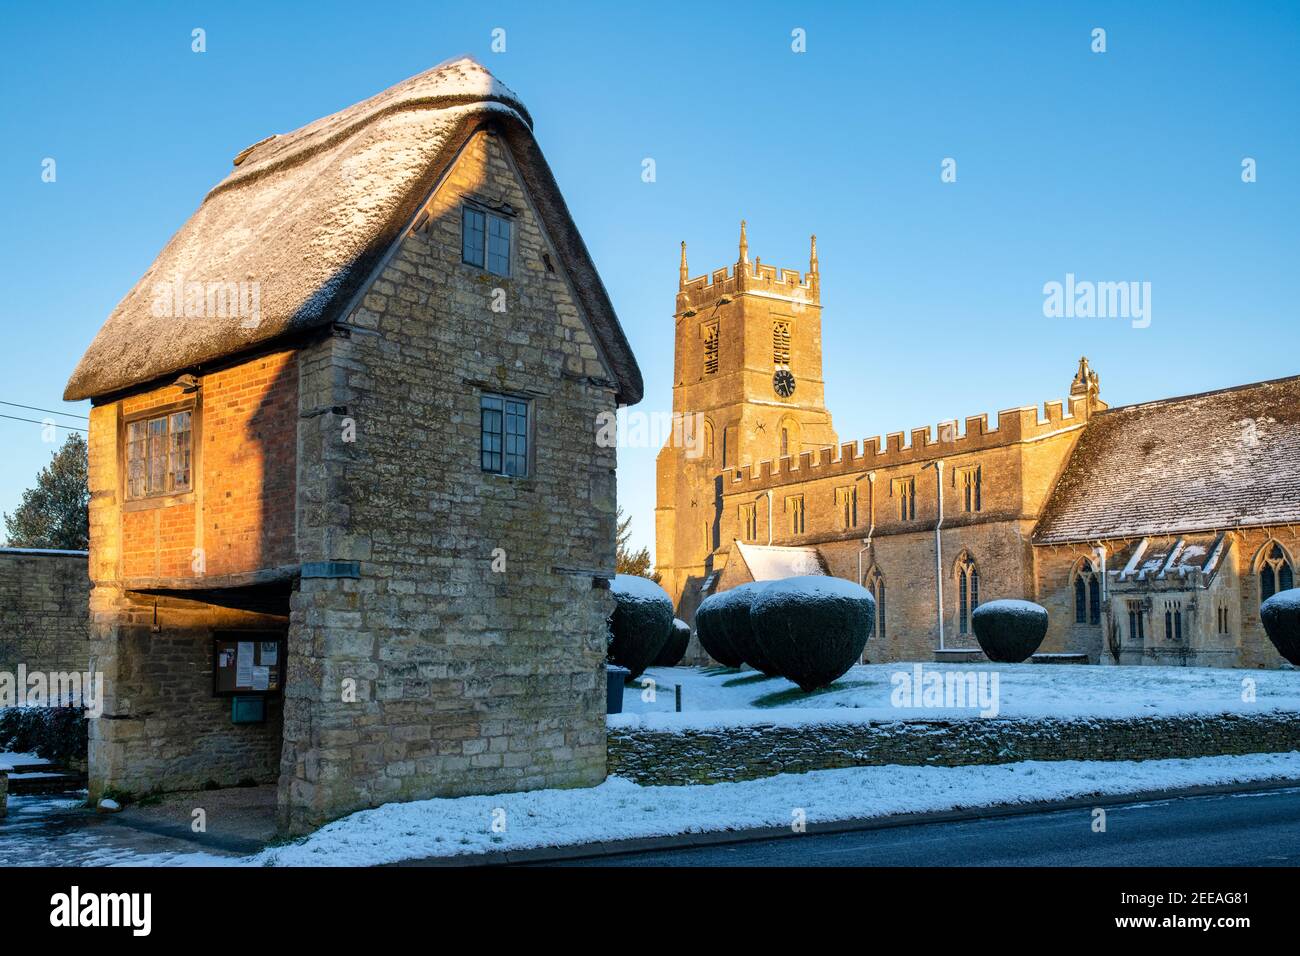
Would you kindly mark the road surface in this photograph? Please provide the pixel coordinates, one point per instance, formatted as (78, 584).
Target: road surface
(1260, 828)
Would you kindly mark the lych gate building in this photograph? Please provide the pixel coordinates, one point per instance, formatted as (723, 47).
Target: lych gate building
(1151, 532)
(350, 529)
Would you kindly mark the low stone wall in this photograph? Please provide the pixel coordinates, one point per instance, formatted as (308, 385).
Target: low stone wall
(44, 610)
(678, 757)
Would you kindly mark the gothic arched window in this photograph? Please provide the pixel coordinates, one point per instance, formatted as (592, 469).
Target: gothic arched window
(875, 583)
(1087, 594)
(1275, 572)
(706, 441)
(968, 592)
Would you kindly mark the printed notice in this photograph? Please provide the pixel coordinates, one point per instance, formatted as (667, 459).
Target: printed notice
(270, 653)
(244, 664)
(261, 678)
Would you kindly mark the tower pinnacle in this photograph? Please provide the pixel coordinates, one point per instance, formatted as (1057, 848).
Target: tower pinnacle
(682, 275)
(812, 258)
(744, 244)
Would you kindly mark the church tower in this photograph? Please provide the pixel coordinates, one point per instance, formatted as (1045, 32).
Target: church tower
(748, 370)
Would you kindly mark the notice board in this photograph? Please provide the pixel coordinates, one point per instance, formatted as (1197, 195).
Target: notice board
(247, 663)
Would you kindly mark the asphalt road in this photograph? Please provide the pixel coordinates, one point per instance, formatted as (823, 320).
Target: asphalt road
(1246, 829)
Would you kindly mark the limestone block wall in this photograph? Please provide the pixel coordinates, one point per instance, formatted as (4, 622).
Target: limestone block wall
(430, 673)
(746, 753)
(44, 620)
(162, 728)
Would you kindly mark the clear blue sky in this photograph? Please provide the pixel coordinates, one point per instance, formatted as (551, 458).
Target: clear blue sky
(1117, 166)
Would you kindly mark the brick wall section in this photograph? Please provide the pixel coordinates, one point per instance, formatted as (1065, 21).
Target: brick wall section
(746, 753)
(163, 729)
(241, 509)
(467, 681)
(44, 623)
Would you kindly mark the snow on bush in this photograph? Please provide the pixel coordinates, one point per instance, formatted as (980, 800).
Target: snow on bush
(674, 649)
(1280, 616)
(736, 624)
(1009, 631)
(641, 624)
(714, 640)
(812, 629)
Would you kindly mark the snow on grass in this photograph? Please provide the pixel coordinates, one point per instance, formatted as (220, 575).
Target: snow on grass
(619, 809)
(717, 697)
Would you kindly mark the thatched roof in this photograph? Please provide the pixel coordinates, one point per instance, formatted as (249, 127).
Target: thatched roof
(307, 215)
(1207, 462)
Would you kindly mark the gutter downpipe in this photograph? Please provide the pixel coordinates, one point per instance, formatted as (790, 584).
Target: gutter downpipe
(938, 553)
(866, 542)
(769, 517)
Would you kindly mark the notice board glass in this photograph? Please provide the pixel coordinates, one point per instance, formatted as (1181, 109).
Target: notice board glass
(247, 662)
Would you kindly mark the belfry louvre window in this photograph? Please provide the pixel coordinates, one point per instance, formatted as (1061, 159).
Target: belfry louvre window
(159, 455)
(504, 435)
(781, 343)
(749, 521)
(485, 241)
(711, 349)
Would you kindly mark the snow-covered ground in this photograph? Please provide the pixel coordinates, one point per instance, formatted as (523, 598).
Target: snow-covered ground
(712, 697)
(618, 809)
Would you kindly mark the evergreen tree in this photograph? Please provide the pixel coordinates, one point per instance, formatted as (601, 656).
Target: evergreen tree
(631, 562)
(54, 514)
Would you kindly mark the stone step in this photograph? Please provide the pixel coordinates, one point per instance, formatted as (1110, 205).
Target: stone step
(45, 780)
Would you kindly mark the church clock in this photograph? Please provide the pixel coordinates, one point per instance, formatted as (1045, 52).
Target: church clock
(783, 382)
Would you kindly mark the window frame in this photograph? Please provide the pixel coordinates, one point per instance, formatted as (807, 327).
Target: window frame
(905, 490)
(165, 413)
(527, 434)
(795, 508)
(489, 217)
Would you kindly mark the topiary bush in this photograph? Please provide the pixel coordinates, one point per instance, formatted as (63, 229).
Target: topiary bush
(736, 624)
(708, 628)
(812, 629)
(641, 623)
(1009, 631)
(674, 648)
(1280, 616)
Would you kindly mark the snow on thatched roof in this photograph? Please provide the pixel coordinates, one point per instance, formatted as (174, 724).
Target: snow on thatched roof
(1214, 461)
(307, 215)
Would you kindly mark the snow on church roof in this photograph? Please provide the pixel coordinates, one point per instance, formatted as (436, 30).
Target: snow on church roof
(307, 216)
(771, 563)
(1212, 461)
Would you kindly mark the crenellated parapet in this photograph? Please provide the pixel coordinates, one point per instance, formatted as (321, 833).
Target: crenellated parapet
(921, 445)
(747, 277)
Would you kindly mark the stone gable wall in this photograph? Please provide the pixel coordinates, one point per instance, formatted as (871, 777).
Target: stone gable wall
(466, 680)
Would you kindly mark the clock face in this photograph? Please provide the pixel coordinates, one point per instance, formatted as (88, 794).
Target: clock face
(783, 382)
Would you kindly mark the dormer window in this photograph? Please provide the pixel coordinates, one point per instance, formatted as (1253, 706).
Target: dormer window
(485, 240)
